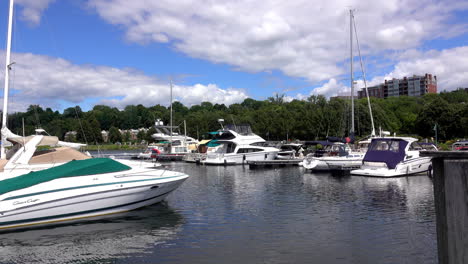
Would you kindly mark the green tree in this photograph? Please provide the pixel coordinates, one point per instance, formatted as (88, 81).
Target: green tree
(114, 135)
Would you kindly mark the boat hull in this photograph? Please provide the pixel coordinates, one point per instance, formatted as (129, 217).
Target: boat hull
(406, 168)
(233, 159)
(58, 203)
(333, 163)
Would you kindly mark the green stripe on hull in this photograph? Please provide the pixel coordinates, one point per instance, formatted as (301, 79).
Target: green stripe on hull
(81, 187)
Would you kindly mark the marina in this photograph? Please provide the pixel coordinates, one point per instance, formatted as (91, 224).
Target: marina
(237, 215)
(233, 132)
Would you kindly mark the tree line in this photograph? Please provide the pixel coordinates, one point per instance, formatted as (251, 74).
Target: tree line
(273, 119)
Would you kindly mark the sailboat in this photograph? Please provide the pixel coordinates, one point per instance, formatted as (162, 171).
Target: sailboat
(58, 190)
(340, 156)
(173, 146)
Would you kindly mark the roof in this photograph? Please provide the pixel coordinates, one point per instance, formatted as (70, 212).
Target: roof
(70, 169)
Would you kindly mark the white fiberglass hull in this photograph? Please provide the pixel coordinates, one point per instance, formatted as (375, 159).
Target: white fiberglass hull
(405, 168)
(232, 159)
(64, 200)
(333, 162)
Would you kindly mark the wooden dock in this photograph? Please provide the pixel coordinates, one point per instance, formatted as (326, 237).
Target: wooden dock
(451, 203)
(255, 164)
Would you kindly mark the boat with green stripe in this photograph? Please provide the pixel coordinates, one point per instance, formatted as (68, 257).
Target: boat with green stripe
(82, 189)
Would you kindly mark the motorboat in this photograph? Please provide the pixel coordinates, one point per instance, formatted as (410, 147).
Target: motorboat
(460, 145)
(290, 151)
(171, 145)
(204, 147)
(81, 189)
(45, 181)
(393, 157)
(237, 145)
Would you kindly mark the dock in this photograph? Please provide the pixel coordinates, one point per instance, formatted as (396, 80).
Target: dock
(255, 164)
(451, 203)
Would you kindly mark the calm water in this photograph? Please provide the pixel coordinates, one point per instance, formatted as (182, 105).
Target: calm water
(237, 215)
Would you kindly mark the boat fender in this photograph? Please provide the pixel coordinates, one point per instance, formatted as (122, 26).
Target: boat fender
(266, 156)
(243, 158)
(225, 162)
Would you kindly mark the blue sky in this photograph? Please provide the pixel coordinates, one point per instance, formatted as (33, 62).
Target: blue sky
(117, 52)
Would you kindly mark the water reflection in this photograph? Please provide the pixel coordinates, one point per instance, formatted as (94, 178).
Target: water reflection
(237, 215)
(97, 241)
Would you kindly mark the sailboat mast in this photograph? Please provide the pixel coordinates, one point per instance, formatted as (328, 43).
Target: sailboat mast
(365, 80)
(7, 75)
(171, 117)
(352, 73)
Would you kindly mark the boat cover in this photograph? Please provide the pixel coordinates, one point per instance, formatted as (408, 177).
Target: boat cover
(391, 151)
(70, 169)
(213, 143)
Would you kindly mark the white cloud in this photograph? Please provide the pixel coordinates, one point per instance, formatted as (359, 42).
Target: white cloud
(305, 39)
(331, 88)
(32, 9)
(49, 81)
(450, 67)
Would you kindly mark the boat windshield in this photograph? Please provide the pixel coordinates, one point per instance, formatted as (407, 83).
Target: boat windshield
(227, 147)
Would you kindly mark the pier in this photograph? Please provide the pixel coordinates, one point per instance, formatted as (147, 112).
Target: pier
(450, 179)
(255, 164)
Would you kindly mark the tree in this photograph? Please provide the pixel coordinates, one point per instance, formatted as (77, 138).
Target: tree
(114, 135)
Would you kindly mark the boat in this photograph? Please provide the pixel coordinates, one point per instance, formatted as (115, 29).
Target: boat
(173, 145)
(460, 145)
(333, 156)
(41, 187)
(290, 151)
(204, 147)
(237, 145)
(341, 156)
(393, 157)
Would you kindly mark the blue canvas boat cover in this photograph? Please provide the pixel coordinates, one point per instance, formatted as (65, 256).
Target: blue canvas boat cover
(388, 150)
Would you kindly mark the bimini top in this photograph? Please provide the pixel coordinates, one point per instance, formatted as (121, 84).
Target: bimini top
(70, 169)
(388, 150)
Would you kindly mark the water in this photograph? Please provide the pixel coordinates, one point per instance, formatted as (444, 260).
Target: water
(236, 215)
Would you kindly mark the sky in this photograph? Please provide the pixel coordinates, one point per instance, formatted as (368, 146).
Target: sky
(120, 52)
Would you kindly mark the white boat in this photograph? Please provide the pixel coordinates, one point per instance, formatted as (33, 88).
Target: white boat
(237, 145)
(44, 187)
(290, 151)
(333, 156)
(81, 189)
(393, 157)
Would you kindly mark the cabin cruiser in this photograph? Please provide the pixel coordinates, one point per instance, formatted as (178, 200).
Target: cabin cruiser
(333, 156)
(237, 145)
(393, 157)
(204, 147)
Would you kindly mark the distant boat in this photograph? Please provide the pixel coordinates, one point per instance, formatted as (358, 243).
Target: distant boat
(237, 145)
(290, 151)
(57, 190)
(393, 157)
